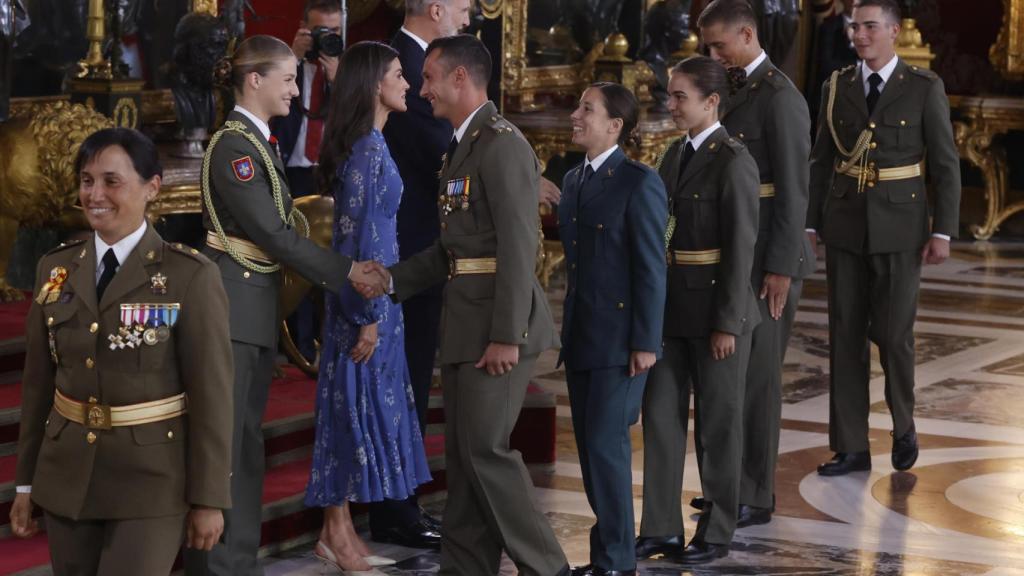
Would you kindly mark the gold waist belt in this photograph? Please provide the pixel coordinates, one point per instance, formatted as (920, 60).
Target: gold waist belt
(464, 266)
(243, 247)
(102, 417)
(883, 174)
(694, 257)
(768, 190)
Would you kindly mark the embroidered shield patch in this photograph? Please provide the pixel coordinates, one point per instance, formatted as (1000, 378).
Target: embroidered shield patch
(243, 168)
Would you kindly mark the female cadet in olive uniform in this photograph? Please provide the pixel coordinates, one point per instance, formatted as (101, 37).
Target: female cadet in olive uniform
(709, 315)
(247, 212)
(612, 220)
(124, 327)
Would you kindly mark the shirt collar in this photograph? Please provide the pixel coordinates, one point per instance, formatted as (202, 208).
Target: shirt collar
(122, 248)
(885, 72)
(420, 41)
(749, 69)
(260, 124)
(596, 163)
(465, 124)
(700, 138)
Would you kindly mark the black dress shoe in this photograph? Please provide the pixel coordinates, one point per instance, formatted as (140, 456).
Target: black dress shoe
(904, 450)
(752, 516)
(846, 462)
(699, 552)
(698, 502)
(416, 535)
(647, 546)
(591, 570)
(429, 521)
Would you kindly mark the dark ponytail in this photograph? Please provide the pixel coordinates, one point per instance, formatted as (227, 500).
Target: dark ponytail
(620, 102)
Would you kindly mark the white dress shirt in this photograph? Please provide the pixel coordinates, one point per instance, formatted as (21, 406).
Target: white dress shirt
(260, 124)
(465, 124)
(699, 139)
(298, 158)
(596, 163)
(749, 68)
(885, 73)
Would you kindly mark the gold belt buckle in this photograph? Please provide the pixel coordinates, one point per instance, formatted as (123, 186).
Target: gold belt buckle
(871, 175)
(97, 416)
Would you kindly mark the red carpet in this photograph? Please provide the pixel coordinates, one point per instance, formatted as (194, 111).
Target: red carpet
(12, 318)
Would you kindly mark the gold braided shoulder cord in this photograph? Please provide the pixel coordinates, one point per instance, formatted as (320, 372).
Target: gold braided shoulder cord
(296, 218)
(859, 154)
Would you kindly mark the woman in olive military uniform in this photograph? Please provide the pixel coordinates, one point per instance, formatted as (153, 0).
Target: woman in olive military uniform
(710, 312)
(124, 329)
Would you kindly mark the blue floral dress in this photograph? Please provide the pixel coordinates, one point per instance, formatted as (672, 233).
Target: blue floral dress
(368, 445)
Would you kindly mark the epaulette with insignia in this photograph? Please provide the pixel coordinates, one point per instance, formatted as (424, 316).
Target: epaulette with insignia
(500, 125)
(64, 246)
(847, 68)
(187, 250)
(734, 143)
(776, 79)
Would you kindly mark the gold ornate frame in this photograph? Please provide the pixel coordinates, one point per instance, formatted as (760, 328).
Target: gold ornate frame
(520, 82)
(1007, 54)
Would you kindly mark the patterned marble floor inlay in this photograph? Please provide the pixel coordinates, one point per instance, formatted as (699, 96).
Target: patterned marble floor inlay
(959, 511)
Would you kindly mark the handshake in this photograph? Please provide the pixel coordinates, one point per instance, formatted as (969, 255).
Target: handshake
(371, 279)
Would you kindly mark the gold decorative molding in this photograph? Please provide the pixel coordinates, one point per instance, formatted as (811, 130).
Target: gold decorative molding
(207, 6)
(911, 47)
(520, 82)
(1007, 54)
(981, 121)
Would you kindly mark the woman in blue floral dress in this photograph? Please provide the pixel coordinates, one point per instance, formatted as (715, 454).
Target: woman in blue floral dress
(368, 445)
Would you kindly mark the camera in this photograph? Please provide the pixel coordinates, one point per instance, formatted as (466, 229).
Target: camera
(325, 42)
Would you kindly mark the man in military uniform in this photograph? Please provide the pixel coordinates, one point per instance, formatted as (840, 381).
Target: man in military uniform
(123, 328)
(770, 116)
(495, 320)
(881, 123)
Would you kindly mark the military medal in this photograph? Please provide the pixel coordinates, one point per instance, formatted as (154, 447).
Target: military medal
(456, 195)
(143, 323)
(50, 291)
(149, 336)
(158, 283)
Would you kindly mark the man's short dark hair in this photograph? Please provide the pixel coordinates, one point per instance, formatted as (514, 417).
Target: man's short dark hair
(728, 12)
(325, 6)
(891, 8)
(467, 51)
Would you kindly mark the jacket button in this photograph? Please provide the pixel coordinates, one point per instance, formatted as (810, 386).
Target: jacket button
(874, 145)
(871, 184)
(444, 225)
(741, 135)
(90, 438)
(903, 122)
(49, 321)
(696, 195)
(913, 195)
(620, 305)
(871, 125)
(170, 434)
(573, 242)
(89, 363)
(573, 218)
(94, 328)
(600, 226)
(526, 334)
(246, 274)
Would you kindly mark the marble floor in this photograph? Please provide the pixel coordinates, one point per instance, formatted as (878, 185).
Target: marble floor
(960, 510)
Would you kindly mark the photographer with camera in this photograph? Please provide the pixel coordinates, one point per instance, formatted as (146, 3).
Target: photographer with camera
(316, 45)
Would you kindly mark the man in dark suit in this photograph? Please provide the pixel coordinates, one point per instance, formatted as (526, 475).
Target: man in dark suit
(883, 128)
(417, 141)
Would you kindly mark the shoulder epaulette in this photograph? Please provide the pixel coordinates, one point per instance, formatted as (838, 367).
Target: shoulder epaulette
(923, 72)
(847, 68)
(500, 125)
(187, 251)
(734, 144)
(65, 246)
(776, 78)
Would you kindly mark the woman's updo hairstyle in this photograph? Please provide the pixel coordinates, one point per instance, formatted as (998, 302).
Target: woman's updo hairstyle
(709, 76)
(255, 54)
(620, 102)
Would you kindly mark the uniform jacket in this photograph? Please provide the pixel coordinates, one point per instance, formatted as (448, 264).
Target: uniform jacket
(507, 307)
(148, 470)
(246, 210)
(770, 116)
(910, 123)
(715, 202)
(613, 231)
(417, 140)
(287, 128)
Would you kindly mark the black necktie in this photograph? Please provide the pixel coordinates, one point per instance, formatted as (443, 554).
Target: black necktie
(873, 93)
(688, 153)
(588, 171)
(110, 265)
(451, 149)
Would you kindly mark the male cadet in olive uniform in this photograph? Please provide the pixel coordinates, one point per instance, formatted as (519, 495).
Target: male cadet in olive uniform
(495, 320)
(770, 116)
(243, 214)
(882, 123)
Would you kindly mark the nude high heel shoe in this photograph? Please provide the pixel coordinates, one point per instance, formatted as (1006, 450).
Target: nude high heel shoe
(325, 555)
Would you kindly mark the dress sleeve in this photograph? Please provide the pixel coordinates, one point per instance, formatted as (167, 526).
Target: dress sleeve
(356, 197)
